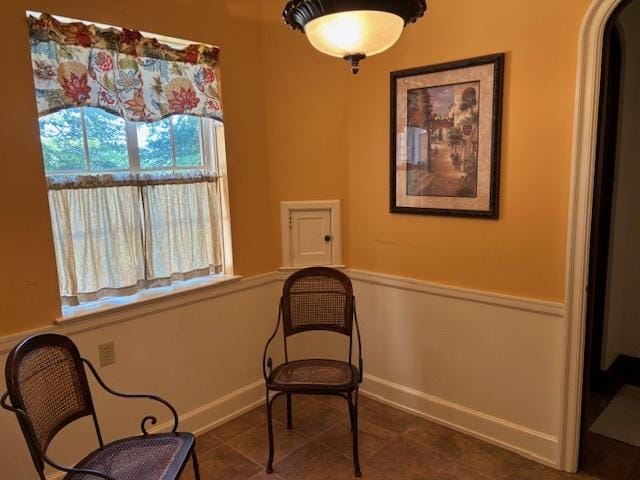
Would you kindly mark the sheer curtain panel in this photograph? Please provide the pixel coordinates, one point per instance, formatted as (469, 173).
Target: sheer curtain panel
(182, 231)
(98, 242)
(116, 240)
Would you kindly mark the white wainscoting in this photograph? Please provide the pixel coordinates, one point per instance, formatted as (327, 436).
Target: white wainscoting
(487, 364)
(202, 351)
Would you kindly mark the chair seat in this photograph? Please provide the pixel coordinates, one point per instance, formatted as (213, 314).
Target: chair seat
(151, 457)
(319, 374)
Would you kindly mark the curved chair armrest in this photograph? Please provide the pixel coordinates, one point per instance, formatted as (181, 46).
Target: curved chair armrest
(149, 418)
(267, 362)
(19, 412)
(6, 406)
(23, 415)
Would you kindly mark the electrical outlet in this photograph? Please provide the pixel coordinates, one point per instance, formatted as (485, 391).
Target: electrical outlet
(107, 353)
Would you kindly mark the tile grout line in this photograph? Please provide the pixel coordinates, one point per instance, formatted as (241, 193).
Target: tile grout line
(467, 466)
(307, 439)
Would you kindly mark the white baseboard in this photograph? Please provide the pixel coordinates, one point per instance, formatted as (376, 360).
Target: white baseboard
(224, 409)
(529, 443)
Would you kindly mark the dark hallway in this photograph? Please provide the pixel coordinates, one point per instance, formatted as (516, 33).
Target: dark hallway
(611, 416)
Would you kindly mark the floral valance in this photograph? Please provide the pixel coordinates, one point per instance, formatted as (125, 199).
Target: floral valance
(121, 71)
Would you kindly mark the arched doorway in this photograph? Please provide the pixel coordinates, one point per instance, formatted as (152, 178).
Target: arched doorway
(591, 197)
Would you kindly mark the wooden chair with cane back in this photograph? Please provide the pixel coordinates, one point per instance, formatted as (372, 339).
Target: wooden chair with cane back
(315, 299)
(47, 389)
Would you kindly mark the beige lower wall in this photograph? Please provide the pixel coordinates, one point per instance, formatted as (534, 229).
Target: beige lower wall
(488, 365)
(203, 357)
(484, 364)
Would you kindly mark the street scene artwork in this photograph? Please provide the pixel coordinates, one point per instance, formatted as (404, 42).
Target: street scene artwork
(442, 141)
(446, 138)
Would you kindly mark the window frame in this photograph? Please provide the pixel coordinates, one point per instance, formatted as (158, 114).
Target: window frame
(214, 143)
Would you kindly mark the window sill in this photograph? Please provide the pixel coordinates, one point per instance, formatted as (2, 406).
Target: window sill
(152, 295)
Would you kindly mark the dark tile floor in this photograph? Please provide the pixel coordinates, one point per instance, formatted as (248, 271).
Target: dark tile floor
(394, 446)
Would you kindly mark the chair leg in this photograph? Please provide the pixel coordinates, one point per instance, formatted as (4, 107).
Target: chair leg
(353, 409)
(270, 427)
(196, 467)
(289, 412)
(351, 419)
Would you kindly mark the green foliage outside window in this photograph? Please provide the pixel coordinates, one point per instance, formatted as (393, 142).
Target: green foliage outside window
(62, 138)
(62, 141)
(154, 144)
(106, 140)
(186, 130)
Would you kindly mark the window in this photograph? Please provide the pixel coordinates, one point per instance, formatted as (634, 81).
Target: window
(89, 140)
(130, 130)
(133, 205)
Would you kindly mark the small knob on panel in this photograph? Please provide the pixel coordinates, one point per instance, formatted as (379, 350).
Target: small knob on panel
(327, 238)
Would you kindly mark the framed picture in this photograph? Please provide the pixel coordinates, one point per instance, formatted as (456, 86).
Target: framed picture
(445, 138)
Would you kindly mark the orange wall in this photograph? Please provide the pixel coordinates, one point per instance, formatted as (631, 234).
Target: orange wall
(306, 122)
(300, 127)
(28, 284)
(326, 127)
(523, 252)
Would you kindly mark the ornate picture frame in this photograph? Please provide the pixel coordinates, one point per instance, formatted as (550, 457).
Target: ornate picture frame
(446, 137)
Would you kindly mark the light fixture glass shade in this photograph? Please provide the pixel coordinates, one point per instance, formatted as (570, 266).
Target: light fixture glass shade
(358, 32)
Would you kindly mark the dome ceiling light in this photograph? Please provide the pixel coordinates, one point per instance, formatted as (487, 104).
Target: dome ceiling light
(352, 29)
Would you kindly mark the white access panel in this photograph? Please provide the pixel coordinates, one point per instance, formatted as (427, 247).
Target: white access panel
(311, 233)
(311, 239)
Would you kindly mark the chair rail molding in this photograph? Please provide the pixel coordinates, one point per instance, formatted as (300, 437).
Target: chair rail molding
(590, 48)
(543, 307)
(101, 318)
